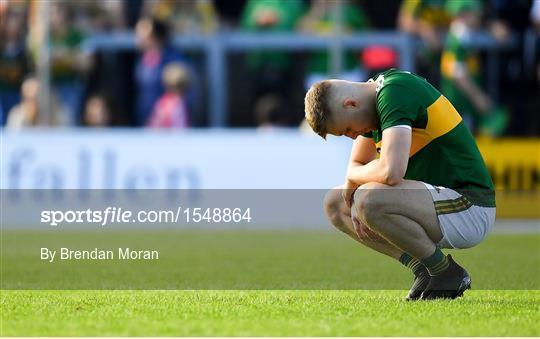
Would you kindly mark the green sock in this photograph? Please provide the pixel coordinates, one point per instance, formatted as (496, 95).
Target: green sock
(414, 264)
(436, 263)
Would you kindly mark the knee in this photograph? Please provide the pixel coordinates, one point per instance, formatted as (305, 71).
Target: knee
(369, 202)
(332, 207)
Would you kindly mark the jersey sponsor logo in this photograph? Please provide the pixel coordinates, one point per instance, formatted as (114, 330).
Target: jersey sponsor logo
(380, 83)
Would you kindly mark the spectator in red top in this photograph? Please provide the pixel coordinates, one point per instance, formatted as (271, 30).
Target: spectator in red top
(170, 111)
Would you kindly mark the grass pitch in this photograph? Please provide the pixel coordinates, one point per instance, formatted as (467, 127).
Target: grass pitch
(266, 313)
(281, 283)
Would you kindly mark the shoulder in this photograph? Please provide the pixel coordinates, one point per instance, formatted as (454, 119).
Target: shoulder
(397, 101)
(393, 77)
(394, 90)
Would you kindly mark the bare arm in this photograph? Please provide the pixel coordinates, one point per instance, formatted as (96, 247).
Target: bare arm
(479, 99)
(390, 168)
(363, 151)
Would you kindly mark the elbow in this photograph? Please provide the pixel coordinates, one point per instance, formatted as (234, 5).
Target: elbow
(352, 179)
(392, 177)
(393, 180)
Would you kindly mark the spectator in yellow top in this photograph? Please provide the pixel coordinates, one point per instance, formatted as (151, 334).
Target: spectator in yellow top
(193, 16)
(426, 18)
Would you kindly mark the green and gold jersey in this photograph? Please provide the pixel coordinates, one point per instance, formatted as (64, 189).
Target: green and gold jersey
(443, 151)
(459, 56)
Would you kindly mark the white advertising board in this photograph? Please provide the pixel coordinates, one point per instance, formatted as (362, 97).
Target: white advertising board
(198, 159)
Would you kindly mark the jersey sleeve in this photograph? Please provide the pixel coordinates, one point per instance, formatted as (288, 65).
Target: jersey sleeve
(396, 106)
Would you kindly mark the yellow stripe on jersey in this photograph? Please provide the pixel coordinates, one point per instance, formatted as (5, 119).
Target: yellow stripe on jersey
(442, 118)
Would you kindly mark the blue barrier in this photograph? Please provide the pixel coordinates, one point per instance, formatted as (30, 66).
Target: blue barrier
(217, 46)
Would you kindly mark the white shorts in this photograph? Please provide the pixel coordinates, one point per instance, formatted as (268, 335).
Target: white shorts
(463, 224)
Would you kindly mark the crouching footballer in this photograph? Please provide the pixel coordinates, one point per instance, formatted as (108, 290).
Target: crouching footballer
(416, 182)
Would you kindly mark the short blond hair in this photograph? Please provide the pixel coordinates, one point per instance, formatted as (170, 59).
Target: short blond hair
(175, 76)
(316, 107)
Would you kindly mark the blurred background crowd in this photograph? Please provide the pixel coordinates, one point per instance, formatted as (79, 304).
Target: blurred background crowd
(62, 63)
